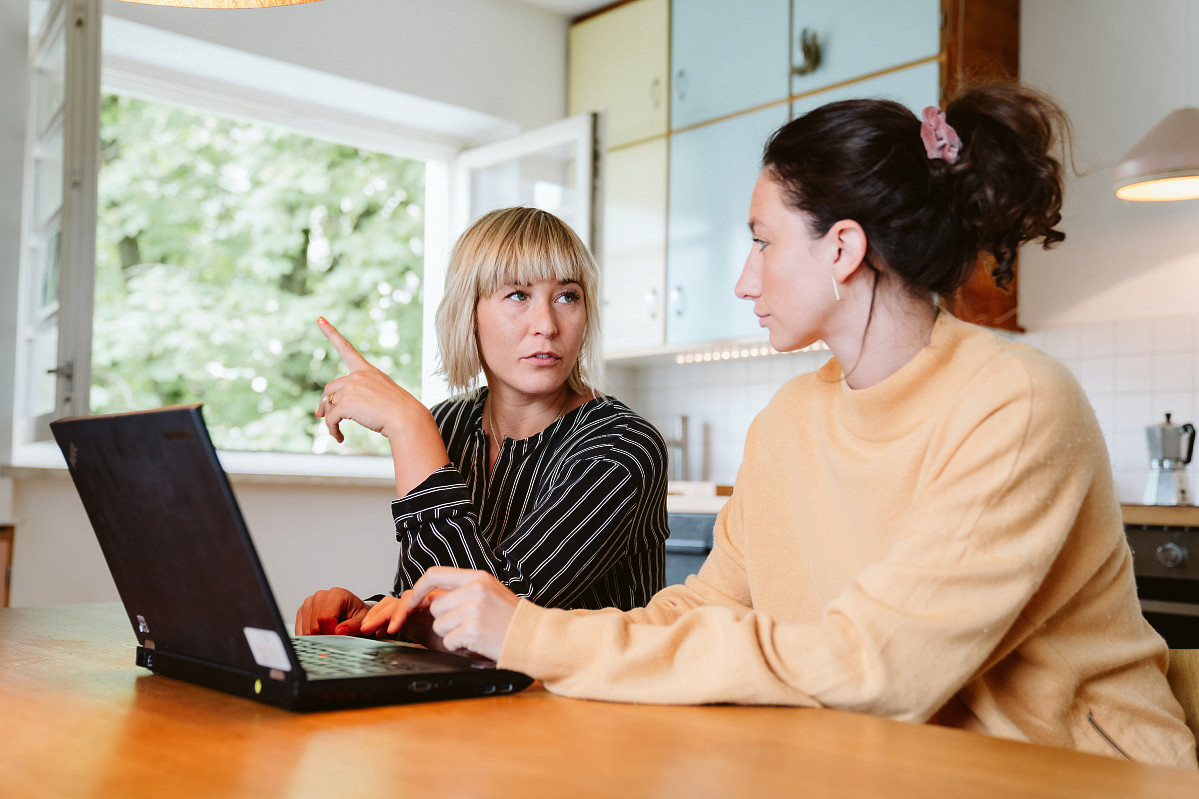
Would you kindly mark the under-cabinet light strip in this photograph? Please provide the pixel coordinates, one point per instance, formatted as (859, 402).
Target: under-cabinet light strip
(732, 353)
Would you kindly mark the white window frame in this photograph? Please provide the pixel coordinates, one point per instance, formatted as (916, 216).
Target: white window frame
(79, 119)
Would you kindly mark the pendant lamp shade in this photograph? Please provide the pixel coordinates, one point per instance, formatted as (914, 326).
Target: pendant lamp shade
(1165, 164)
(223, 3)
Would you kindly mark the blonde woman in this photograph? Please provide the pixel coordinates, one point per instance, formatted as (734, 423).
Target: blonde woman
(536, 478)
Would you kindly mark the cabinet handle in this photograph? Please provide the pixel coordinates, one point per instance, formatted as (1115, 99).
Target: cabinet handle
(655, 92)
(811, 53)
(680, 84)
(676, 300)
(651, 302)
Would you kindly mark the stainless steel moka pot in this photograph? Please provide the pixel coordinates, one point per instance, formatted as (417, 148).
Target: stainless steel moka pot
(1170, 449)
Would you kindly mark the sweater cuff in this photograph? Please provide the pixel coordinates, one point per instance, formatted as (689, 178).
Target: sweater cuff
(532, 647)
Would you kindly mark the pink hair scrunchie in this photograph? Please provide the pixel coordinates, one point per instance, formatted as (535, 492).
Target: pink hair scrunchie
(940, 140)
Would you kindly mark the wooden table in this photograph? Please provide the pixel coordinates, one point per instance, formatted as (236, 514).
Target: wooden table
(77, 719)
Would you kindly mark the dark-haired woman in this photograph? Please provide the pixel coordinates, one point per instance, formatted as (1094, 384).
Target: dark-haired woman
(926, 528)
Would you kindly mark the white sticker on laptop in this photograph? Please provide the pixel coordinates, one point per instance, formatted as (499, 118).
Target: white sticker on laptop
(267, 648)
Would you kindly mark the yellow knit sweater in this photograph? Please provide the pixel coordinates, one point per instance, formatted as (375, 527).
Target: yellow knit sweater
(944, 546)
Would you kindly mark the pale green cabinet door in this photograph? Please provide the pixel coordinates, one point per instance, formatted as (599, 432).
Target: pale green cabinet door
(618, 65)
(726, 57)
(712, 173)
(634, 252)
(916, 87)
(861, 37)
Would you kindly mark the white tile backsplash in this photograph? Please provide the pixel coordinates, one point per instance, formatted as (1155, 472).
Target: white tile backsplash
(1134, 411)
(1097, 376)
(1062, 342)
(1133, 371)
(1173, 334)
(1134, 374)
(1179, 404)
(1134, 335)
(1173, 371)
(1097, 340)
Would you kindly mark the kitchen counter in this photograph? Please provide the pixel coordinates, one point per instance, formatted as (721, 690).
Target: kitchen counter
(1161, 515)
(696, 496)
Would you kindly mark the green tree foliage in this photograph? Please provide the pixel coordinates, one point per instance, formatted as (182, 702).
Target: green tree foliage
(220, 242)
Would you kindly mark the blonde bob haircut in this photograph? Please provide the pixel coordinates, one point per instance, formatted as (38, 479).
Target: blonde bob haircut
(514, 246)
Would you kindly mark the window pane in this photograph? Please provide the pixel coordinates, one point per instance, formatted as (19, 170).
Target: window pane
(220, 242)
(44, 356)
(48, 266)
(47, 176)
(48, 82)
(545, 180)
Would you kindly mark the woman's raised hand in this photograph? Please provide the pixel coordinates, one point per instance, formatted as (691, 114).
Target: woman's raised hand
(470, 610)
(365, 395)
(372, 399)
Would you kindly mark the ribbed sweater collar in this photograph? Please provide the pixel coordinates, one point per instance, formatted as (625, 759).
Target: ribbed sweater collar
(908, 398)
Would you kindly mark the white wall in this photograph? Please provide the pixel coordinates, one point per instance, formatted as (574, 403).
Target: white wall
(309, 536)
(1118, 67)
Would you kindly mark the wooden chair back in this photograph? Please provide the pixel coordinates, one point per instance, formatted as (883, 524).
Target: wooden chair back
(1184, 681)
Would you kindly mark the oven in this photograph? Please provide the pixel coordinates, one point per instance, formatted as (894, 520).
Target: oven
(1165, 553)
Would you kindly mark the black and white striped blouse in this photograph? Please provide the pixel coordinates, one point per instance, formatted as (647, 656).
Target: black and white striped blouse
(572, 517)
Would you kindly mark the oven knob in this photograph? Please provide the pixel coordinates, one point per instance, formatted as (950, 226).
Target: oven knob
(1171, 555)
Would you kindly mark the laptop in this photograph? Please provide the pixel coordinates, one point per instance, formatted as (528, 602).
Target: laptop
(194, 589)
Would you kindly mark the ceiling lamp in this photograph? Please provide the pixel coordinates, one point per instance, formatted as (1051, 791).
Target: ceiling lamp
(1165, 164)
(223, 3)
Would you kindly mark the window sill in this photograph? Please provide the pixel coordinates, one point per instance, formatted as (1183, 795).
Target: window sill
(43, 460)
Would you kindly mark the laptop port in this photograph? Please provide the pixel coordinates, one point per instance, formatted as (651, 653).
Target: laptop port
(420, 686)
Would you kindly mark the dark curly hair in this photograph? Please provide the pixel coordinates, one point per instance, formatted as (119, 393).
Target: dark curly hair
(926, 220)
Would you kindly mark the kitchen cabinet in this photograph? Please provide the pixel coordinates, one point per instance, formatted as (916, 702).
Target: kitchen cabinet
(729, 88)
(712, 173)
(618, 63)
(726, 58)
(634, 251)
(916, 87)
(860, 38)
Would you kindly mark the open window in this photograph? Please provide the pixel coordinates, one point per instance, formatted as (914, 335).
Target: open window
(552, 167)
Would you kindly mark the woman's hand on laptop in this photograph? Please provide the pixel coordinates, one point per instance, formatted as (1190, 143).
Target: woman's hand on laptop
(332, 612)
(470, 612)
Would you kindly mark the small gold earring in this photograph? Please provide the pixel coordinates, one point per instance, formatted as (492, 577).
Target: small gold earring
(836, 289)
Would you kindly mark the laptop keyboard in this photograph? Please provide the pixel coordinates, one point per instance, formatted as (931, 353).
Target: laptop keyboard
(353, 657)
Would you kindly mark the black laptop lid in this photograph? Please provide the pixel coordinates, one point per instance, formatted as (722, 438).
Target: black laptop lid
(174, 539)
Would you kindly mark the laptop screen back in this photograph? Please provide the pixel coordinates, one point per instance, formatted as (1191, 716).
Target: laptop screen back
(171, 532)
